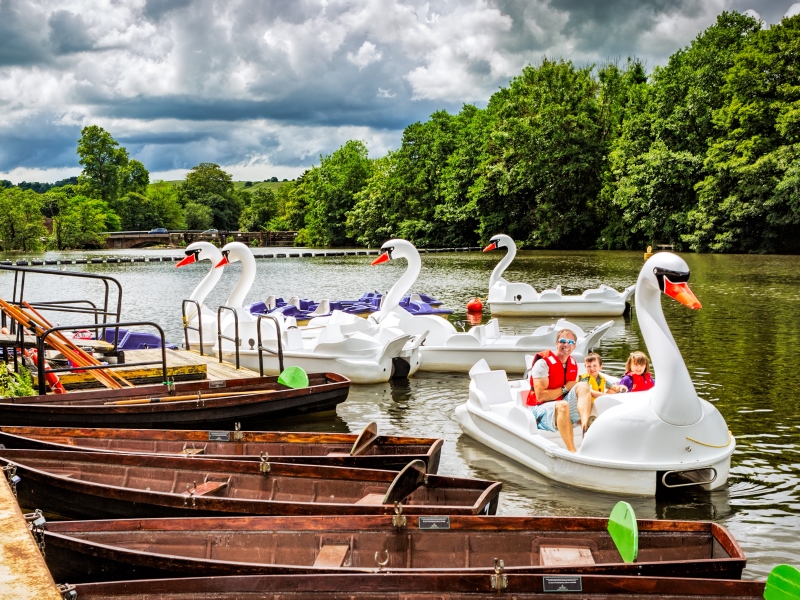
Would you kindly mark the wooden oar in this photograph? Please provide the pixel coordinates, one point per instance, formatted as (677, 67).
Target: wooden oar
(88, 359)
(624, 531)
(22, 317)
(188, 397)
(783, 583)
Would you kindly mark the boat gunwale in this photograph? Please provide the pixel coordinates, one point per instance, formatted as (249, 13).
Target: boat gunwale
(55, 402)
(424, 583)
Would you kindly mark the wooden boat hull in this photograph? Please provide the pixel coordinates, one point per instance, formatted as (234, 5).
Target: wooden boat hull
(82, 551)
(331, 449)
(439, 586)
(99, 485)
(95, 408)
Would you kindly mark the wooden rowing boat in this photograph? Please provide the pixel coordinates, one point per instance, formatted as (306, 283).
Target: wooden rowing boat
(366, 450)
(438, 586)
(81, 551)
(101, 485)
(249, 401)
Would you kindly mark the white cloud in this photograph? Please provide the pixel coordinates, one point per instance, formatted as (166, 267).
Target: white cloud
(794, 9)
(268, 84)
(366, 55)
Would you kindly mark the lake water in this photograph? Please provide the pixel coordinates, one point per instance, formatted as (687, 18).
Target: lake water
(741, 349)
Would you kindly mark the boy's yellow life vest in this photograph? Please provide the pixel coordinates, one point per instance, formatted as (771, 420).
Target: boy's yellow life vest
(598, 384)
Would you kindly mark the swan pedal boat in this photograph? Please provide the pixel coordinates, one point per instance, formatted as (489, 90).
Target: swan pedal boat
(446, 349)
(358, 355)
(109, 550)
(665, 437)
(507, 299)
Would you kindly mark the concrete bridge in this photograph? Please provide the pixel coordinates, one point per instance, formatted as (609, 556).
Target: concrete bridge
(142, 239)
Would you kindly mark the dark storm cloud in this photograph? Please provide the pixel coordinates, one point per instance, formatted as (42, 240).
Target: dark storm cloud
(68, 32)
(35, 143)
(21, 44)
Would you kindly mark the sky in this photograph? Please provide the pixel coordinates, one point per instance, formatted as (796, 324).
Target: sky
(264, 87)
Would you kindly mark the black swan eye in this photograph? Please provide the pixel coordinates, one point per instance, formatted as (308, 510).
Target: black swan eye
(673, 276)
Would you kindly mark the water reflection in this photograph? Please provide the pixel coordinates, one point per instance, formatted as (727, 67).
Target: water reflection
(739, 348)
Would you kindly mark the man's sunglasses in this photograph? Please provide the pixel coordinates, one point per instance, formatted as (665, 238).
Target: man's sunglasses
(566, 341)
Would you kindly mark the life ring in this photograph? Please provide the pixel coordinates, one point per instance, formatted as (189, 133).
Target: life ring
(82, 334)
(50, 378)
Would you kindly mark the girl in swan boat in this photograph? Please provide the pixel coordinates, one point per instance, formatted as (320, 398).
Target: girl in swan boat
(637, 373)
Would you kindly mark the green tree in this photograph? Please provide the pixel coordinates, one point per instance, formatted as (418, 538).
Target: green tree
(166, 205)
(211, 186)
(330, 190)
(656, 162)
(198, 216)
(108, 172)
(259, 211)
(85, 222)
(749, 199)
(543, 157)
(21, 221)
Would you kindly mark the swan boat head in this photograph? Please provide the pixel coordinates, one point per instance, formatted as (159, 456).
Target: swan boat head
(239, 252)
(195, 252)
(501, 240)
(392, 250)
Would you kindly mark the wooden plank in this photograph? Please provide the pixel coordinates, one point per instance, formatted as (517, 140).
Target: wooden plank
(550, 556)
(23, 573)
(371, 499)
(137, 375)
(209, 487)
(214, 369)
(332, 555)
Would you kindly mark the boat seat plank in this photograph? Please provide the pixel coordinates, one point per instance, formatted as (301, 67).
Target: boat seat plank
(550, 556)
(192, 451)
(332, 555)
(371, 499)
(209, 487)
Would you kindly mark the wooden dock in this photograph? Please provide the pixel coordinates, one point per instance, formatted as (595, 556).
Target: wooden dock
(23, 572)
(182, 365)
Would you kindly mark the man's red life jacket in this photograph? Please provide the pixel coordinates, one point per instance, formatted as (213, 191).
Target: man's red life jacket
(642, 382)
(559, 374)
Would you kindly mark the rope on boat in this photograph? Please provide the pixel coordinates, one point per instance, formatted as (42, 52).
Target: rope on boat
(712, 445)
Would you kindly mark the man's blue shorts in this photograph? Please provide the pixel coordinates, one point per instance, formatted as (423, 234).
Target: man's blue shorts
(546, 413)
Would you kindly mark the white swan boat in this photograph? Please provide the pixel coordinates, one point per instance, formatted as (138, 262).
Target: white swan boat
(446, 349)
(195, 252)
(641, 441)
(359, 356)
(522, 300)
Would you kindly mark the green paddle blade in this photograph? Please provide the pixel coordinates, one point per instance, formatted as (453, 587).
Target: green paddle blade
(623, 530)
(293, 377)
(783, 583)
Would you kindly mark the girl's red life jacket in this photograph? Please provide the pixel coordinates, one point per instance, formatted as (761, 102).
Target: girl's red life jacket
(559, 374)
(642, 382)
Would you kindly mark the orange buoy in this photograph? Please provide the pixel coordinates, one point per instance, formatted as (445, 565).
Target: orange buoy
(475, 305)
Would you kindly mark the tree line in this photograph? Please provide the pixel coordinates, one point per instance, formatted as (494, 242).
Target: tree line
(702, 153)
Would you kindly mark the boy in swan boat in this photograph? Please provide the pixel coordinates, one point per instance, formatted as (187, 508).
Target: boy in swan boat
(557, 399)
(637, 373)
(596, 380)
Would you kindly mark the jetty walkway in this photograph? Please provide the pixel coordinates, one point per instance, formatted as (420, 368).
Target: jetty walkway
(294, 253)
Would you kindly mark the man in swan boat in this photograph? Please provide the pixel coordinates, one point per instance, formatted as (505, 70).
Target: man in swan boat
(557, 399)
